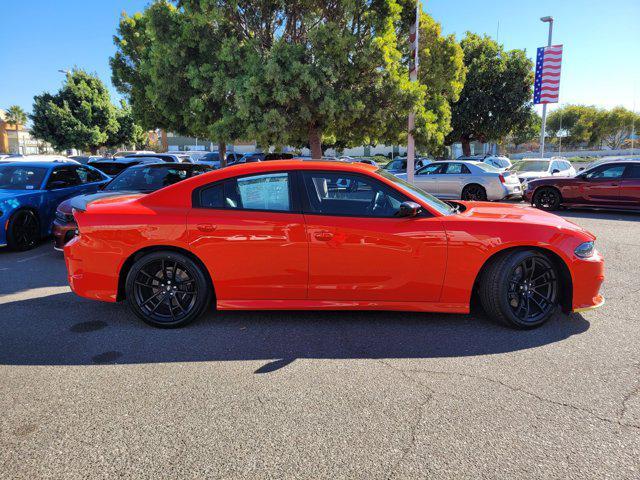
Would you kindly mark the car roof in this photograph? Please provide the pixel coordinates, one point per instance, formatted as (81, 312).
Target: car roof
(44, 164)
(186, 166)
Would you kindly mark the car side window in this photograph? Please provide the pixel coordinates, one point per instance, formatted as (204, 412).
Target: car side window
(346, 194)
(609, 171)
(63, 177)
(269, 192)
(432, 169)
(633, 171)
(457, 169)
(88, 175)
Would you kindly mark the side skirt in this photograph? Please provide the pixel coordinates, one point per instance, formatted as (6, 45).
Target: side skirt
(341, 305)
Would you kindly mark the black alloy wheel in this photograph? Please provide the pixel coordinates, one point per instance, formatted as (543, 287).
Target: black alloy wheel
(474, 193)
(23, 231)
(167, 289)
(520, 288)
(533, 288)
(547, 198)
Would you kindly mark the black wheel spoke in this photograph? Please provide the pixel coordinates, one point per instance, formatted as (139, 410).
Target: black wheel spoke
(531, 289)
(165, 290)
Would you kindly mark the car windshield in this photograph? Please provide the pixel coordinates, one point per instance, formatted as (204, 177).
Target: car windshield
(429, 199)
(531, 166)
(16, 177)
(150, 178)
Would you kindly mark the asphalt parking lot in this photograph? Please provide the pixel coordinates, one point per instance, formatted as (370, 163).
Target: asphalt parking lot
(88, 391)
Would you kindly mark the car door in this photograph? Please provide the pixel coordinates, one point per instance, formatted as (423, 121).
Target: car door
(63, 183)
(452, 181)
(630, 186)
(427, 177)
(361, 251)
(602, 186)
(250, 233)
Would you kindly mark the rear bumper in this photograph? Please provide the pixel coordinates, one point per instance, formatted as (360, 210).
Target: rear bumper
(504, 190)
(87, 276)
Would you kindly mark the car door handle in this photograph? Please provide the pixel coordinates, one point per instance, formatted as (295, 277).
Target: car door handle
(323, 236)
(206, 227)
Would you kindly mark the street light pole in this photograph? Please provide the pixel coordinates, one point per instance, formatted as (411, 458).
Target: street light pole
(548, 20)
(413, 76)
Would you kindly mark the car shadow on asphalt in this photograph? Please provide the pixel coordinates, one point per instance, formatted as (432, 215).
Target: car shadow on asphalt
(62, 329)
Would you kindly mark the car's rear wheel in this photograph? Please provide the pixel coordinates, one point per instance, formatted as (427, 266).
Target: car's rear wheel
(23, 230)
(474, 193)
(547, 198)
(167, 289)
(520, 289)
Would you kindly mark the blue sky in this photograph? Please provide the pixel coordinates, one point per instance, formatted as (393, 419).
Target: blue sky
(601, 41)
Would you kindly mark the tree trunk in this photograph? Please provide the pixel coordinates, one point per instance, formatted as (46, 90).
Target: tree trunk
(163, 140)
(315, 143)
(94, 150)
(222, 154)
(466, 147)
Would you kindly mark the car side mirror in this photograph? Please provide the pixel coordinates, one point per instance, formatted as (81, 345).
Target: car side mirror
(554, 171)
(56, 184)
(581, 169)
(409, 209)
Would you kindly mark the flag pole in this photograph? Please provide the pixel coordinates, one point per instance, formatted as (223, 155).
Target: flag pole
(414, 33)
(548, 20)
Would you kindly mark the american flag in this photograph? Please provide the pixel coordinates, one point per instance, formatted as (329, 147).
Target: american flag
(547, 83)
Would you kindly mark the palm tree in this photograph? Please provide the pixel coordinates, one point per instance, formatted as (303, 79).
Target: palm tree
(16, 116)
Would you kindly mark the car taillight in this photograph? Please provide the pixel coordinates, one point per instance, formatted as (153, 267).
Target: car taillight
(501, 178)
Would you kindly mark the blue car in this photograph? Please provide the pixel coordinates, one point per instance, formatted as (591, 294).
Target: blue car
(30, 193)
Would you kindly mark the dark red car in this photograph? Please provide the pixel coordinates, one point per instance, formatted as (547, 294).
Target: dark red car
(612, 185)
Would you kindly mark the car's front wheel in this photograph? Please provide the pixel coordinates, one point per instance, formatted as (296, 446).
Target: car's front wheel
(520, 289)
(23, 230)
(547, 198)
(167, 289)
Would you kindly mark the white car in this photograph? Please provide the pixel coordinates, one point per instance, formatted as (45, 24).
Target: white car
(531, 168)
(466, 180)
(501, 163)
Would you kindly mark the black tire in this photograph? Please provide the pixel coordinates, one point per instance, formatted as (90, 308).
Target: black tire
(520, 289)
(547, 198)
(167, 289)
(23, 231)
(474, 193)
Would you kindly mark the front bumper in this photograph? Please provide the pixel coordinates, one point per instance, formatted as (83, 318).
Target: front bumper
(587, 276)
(62, 233)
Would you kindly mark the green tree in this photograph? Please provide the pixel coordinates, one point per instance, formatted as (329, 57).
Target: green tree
(613, 127)
(496, 98)
(442, 71)
(79, 116)
(15, 116)
(574, 123)
(283, 73)
(128, 132)
(528, 132)
(177, 74)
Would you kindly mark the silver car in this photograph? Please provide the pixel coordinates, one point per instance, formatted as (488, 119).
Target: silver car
(466, 180)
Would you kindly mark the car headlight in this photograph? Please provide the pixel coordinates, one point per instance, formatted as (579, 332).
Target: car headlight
(585, 250)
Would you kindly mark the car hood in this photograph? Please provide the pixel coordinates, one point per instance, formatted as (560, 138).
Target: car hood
(517, 213)
(82, 201)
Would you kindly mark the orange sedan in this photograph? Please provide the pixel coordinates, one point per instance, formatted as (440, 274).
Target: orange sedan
(326, 236)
